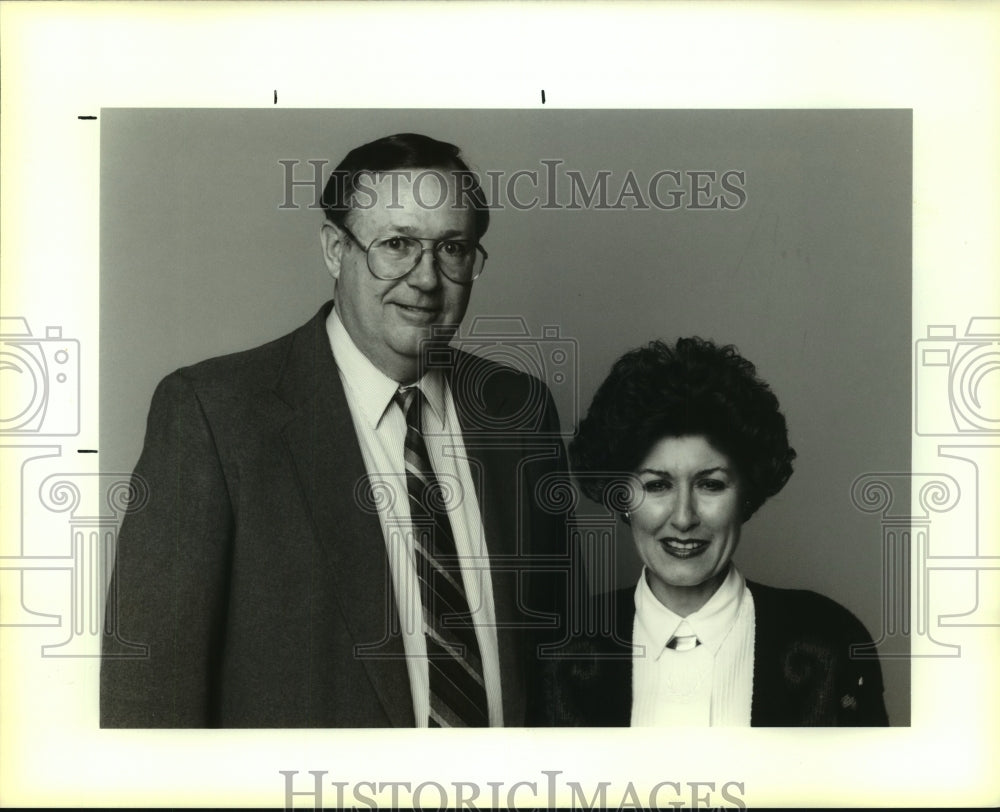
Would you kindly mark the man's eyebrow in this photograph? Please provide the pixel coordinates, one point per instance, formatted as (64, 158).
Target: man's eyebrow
(451, 233)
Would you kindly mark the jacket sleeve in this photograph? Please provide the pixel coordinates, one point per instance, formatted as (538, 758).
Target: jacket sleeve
(862, 703)
(166, 603)
(855, 677)
(814, 663)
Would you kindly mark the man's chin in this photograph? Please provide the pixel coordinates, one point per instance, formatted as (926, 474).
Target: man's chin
(432, 334)
(416, 343)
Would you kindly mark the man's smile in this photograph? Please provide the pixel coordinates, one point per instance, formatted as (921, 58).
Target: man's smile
(418, 314)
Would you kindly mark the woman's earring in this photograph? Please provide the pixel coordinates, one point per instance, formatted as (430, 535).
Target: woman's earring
(627, 517)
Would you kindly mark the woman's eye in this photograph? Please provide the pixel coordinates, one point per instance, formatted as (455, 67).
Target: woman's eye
(713, 485)
(655, 485)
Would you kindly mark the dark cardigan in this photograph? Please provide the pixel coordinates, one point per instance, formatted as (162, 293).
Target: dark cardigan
(803, 672)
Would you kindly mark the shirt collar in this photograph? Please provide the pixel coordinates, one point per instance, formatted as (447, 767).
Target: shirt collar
(711, 623)
(372, 388)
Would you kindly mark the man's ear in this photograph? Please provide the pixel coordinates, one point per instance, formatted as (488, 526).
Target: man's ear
(332, 240)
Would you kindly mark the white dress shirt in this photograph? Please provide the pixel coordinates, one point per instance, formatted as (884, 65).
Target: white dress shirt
(381, 429)
(709, 685)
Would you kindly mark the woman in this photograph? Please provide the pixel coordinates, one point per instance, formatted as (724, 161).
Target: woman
(703, 445)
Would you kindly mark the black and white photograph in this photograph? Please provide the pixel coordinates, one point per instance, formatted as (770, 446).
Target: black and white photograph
(784, 234)
(594, 412)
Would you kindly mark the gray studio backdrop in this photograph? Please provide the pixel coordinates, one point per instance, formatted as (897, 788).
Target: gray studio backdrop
(809, 276)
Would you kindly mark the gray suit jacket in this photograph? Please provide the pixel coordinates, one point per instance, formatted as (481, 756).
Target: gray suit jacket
(259, 588)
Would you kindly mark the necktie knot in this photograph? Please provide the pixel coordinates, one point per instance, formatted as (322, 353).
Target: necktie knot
(408, 400)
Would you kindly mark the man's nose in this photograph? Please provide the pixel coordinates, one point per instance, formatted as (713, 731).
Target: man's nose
(425, 274)
(684, 516)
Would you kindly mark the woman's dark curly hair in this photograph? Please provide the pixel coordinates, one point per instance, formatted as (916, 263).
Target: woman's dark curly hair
(692, 388)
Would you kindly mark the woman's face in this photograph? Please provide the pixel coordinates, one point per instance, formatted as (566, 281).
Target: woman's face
(686, 521)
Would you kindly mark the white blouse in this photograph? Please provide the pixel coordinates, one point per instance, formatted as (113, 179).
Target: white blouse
(708, 685)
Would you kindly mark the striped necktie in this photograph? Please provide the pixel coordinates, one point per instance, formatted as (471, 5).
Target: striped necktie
(457, 689)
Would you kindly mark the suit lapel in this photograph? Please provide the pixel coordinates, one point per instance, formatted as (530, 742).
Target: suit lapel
(489, 455)
(331, 471)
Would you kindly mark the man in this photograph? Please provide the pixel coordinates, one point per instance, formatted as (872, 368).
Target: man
(343, 526)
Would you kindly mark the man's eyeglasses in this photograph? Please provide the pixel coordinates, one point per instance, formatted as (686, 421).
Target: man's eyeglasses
(393, 257)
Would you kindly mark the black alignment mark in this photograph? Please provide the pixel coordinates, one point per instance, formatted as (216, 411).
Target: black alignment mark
(86, 451)
(543, 97)
(87, 118)
(275, 96)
